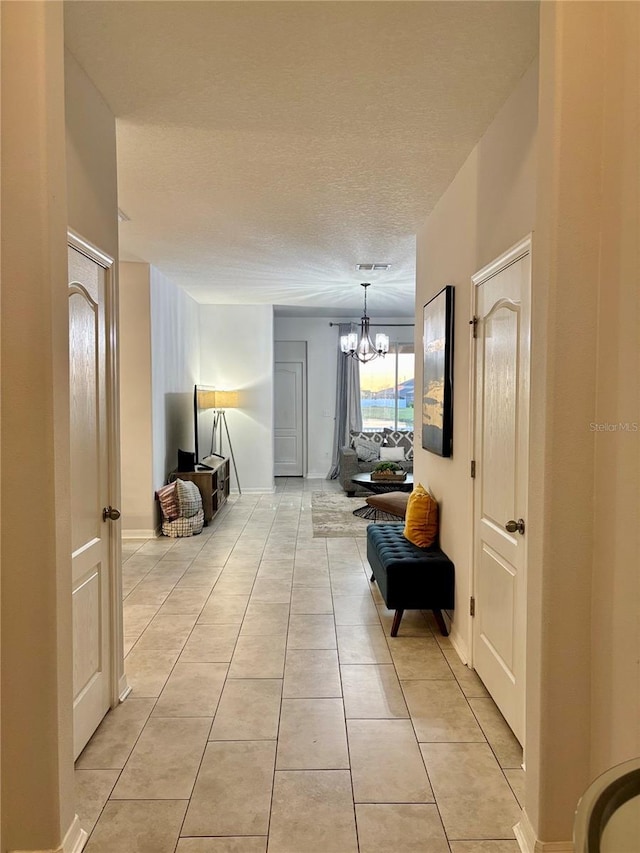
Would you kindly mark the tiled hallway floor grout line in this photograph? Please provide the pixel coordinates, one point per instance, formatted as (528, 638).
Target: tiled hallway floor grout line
(393, 687)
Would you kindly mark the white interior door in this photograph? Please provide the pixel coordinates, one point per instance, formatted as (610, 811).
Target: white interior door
(89, 495)
(288, 419)
(502, 298)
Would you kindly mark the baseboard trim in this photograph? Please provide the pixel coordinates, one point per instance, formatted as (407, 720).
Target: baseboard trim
(123, 688)
(530, 843)
(76, 837)
(148, 533)
(73, 842)
(245, 491)
(459, 645)
(312, 475)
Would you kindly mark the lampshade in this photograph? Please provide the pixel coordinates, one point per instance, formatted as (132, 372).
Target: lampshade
(226, 399)
(206, 399)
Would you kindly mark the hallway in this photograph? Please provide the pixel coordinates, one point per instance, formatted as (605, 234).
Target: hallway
(271, 710)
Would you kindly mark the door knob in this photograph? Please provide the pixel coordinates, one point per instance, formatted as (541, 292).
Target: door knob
(515, 526)
(111, 513)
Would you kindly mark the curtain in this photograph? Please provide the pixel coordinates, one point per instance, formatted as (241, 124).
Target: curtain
(348, 411)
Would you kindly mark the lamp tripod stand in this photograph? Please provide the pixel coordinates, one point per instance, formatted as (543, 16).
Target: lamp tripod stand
(216, 433)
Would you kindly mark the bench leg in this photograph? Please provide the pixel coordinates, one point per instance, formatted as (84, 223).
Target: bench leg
(441, 623)
(397, 619)
(372, 578)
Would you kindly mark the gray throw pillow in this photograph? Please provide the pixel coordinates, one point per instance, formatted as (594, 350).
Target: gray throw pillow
(366, 450)
(375, 437)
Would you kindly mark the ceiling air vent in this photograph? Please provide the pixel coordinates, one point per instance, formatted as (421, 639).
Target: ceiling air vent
(373, 267)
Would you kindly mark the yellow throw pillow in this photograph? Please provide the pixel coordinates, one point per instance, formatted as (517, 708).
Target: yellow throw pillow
(421, 520)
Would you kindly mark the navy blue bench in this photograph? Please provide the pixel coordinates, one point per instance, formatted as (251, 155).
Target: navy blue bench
(408, 577)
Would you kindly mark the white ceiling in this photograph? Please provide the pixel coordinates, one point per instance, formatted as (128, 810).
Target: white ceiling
(265, 148)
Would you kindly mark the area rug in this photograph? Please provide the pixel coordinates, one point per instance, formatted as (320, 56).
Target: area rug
(332, 516)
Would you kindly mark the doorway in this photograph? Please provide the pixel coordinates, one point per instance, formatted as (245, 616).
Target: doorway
(94, 489)
(502, 298)
(290, 406)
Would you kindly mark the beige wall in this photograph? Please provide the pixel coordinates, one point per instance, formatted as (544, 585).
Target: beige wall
(583, 645)
(37, 765)
(136, 448)
(37, 157)
(488, 207)
(91, 161)
(615, 628)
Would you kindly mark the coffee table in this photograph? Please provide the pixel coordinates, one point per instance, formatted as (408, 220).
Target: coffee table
(379, 487)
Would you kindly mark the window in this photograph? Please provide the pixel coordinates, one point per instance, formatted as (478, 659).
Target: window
(386, 389)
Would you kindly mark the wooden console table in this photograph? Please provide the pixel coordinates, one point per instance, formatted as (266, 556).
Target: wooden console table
(213, 486)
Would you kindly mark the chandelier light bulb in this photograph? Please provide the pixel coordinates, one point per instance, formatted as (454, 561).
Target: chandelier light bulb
(382, 343)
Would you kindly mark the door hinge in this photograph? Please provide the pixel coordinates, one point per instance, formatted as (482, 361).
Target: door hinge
(474, 322)
(472, 606)
(473, 469)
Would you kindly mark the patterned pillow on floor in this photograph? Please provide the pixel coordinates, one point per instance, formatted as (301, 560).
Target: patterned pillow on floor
(168, 502)
(189, 499)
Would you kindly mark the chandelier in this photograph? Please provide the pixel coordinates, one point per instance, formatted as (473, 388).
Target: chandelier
(364, 349)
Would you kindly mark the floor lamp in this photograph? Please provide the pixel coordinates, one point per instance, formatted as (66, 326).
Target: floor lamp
(223, 400)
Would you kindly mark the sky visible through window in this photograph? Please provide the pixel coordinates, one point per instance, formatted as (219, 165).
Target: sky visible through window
(387, 396)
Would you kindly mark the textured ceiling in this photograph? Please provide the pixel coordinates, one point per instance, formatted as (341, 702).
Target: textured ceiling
(265, 148)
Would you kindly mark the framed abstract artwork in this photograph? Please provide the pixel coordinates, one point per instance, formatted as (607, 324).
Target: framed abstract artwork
(437, 378)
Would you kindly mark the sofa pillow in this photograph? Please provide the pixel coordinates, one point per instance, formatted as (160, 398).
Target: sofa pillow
(168, 502)
(391, 454)
(366, 451)
(189, 499)
(400, 438)
(375, 437)
(421, 519)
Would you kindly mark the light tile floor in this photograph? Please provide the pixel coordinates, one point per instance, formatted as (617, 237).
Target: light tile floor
(271, 710)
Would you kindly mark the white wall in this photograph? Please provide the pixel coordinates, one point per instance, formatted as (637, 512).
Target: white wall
(175, 368)
(488, 207)
(236, 353)
(321, 384)
(322, 353)
(136, 440)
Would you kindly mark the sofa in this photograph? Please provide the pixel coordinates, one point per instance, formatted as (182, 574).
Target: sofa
(366, 449)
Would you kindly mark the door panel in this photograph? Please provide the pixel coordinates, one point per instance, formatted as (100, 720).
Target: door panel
(500, 493)
(499, 412)
(89, 494)
(288, 419)
(286, 449)
(497, 584)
